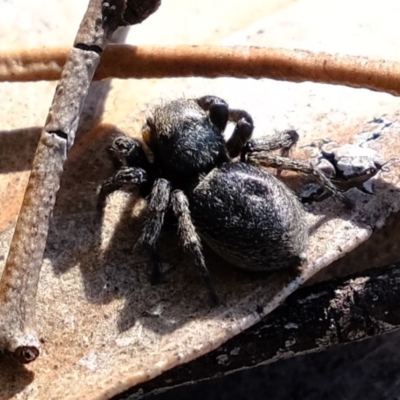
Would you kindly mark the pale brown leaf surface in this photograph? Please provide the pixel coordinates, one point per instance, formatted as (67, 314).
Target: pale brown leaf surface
(104, 328)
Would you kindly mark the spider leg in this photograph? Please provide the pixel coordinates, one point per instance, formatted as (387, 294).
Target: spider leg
(241, 134)
(158, 205)
(191, 240)
(265, 159)
(217, 108)
(128, 152)
(127, 178)
(283, 140)
(220, 114)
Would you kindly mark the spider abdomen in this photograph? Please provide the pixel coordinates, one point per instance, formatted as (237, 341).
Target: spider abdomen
(250, 218)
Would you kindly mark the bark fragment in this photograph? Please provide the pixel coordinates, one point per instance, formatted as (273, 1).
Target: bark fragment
(313, 319)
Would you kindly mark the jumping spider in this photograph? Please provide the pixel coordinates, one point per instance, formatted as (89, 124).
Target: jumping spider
(244, 213)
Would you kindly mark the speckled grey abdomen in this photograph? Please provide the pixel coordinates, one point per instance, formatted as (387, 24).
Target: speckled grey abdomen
(250, 218)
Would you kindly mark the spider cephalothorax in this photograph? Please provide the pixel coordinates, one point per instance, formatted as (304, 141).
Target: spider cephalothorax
(242, 212)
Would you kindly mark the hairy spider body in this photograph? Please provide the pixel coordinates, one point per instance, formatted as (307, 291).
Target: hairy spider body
(249, 218)
(243, 213)
(184, 141)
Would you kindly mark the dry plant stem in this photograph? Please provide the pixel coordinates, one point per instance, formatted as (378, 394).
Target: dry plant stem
(122, 61)
(18, 284)
(19, 281)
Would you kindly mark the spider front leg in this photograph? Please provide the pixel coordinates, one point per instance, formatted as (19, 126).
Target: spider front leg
(241, 134)
(158, 206)
(128, 152)
(220, 114)
(127, 178)
(133, 168)
(191, 240)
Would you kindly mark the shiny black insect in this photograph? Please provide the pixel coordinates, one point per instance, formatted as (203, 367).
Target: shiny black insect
(242, 212)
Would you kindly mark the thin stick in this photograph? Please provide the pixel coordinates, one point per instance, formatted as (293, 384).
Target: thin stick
(123, 61)
(19, 281)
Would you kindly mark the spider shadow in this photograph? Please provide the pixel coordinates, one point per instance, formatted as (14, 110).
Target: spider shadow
(104, 248)
(25, 140)
(113, 268)
(130, 282)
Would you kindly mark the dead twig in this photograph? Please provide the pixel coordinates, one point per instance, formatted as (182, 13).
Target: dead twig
(19, 281)
(123, 61)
